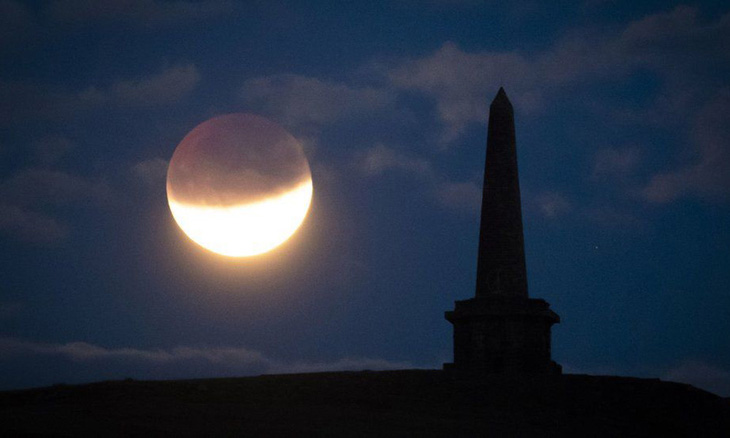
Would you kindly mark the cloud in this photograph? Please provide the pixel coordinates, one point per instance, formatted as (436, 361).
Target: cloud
(674, 45)
(29, 197)
(547, 204)
(380, 158)
(40, 187)
(677, 40)
(30, 226)
(612, 216)
(552, 204)
(345, 364)
(144, 12)
(166, 87)
(21, 101)
(615, 163)
(465, 196)
(701, 375)
(707, 175)
(305, 103)
(460, 82)
(151, 172)
(180, 362)
(50, 149)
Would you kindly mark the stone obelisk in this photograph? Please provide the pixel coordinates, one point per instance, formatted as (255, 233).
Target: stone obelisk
(501, 329)
(501, 260)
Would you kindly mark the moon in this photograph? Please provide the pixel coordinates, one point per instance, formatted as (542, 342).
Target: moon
(239, 185)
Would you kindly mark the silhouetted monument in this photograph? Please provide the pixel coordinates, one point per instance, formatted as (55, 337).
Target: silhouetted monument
(501, 329)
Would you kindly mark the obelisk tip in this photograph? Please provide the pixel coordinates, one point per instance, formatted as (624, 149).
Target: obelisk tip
(501, 98)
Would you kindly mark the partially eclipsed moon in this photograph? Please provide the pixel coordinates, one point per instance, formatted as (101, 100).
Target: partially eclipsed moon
(239, 185)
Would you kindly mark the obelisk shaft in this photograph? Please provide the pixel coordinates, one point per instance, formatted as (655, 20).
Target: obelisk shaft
(501, 262)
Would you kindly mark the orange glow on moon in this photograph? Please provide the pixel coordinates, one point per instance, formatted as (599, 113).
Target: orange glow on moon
(239, 185)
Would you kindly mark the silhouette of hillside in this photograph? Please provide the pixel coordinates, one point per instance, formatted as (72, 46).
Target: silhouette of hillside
(385, 403)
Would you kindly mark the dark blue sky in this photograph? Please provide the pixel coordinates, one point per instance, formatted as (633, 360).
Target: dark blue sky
(623, 130)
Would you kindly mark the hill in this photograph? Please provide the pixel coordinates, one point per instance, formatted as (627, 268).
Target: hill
(385, 403)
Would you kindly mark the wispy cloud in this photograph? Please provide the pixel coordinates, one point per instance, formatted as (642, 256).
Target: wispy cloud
(552, 204)
(381, 158)
(305, 104)
(177, 362)
(30, 226)
(459, 195)
(22, 101)
(36, 187)
(151, 172)
(168, 86)
(612, 163)
(707, 175)
(673, 44)
(677, 46)
(459, 82)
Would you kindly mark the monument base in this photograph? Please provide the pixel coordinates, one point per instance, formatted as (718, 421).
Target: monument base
(502, 335)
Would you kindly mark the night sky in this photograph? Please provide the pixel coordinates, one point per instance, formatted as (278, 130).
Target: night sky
(623, 135)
